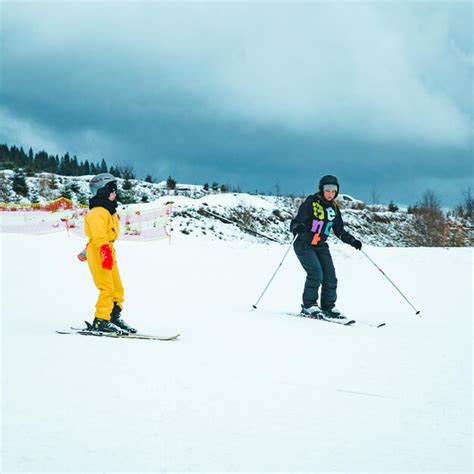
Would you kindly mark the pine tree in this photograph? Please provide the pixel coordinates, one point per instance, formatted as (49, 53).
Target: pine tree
(52, 182)
(170, 183)
(34, 196)
(19, 184)
(66, 191)
(392, 207)
(103, 166)
(74, 185)
(127, 184)
(74, 166)
(30, 163)
(52, 165)
(148, 179)
(127, 194)
(117, 172)
(82, 198)
(128, 175)
(5, 188)
(5, 160)
(66, 165)
(41, 162)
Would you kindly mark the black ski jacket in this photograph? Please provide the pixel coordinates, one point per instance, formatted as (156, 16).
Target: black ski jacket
(319, 217)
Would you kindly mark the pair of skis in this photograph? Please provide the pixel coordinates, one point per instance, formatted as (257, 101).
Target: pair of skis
(89, 332)
(344, 321)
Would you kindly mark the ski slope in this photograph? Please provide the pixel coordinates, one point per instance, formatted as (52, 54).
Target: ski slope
(240, 390)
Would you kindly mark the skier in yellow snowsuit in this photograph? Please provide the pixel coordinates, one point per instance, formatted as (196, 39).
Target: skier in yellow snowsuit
(102, 226)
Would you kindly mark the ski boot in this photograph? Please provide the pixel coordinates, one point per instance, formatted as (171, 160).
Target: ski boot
(313, 312)
(333, 313)
(102, 325)
(117, 320)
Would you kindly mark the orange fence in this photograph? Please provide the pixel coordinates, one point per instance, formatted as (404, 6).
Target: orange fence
(64, 215)
(59, 204)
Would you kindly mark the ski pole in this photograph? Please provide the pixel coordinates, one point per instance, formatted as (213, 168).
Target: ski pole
(275, 272)
(395, 286)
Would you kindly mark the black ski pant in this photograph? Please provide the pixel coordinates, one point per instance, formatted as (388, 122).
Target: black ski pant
(317, 262)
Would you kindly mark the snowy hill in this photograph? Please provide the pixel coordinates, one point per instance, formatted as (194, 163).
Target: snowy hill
(240, 390)
(197, 211)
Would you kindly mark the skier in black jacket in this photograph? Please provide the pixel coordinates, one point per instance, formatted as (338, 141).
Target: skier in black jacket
(316, 217)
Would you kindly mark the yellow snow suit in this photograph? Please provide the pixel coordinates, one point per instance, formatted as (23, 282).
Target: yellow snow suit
(103, 228)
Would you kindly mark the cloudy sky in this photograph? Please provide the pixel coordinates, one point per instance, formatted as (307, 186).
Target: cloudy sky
(252, 94)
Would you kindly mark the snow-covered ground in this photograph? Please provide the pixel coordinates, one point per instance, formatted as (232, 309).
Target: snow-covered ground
(240, 390)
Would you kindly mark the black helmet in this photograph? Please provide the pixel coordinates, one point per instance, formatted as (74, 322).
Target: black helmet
(329, 179)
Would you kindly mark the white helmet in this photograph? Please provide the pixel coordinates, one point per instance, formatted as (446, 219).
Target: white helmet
(101, 181)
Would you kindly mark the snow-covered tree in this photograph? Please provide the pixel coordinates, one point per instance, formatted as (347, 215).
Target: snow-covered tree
(6, 191)
(19, 184)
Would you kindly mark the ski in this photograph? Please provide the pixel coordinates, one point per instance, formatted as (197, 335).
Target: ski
(341, 322)
(87, 332)
(371, 325)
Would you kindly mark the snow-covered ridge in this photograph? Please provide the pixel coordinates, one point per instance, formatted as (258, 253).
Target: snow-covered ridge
(224, 216)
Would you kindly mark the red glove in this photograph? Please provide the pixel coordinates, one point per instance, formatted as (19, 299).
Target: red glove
(107, 260)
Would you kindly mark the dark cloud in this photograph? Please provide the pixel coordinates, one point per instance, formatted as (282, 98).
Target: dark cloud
(249, 94)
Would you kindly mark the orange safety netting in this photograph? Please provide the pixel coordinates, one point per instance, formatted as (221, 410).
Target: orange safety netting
(59, 204)
(62, 214)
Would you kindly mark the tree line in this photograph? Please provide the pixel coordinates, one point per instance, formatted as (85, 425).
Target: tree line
(41, 162)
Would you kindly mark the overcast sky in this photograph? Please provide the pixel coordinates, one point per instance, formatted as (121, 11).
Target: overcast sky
(248, 93)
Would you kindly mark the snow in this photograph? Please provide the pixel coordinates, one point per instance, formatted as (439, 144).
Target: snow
(215, 200)
(240, 390)
(269, 215)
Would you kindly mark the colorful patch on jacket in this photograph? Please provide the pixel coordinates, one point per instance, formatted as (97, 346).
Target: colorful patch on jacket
(322, 223)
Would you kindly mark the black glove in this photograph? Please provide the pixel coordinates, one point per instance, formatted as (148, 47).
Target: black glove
(298, 228)
(357, 244)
